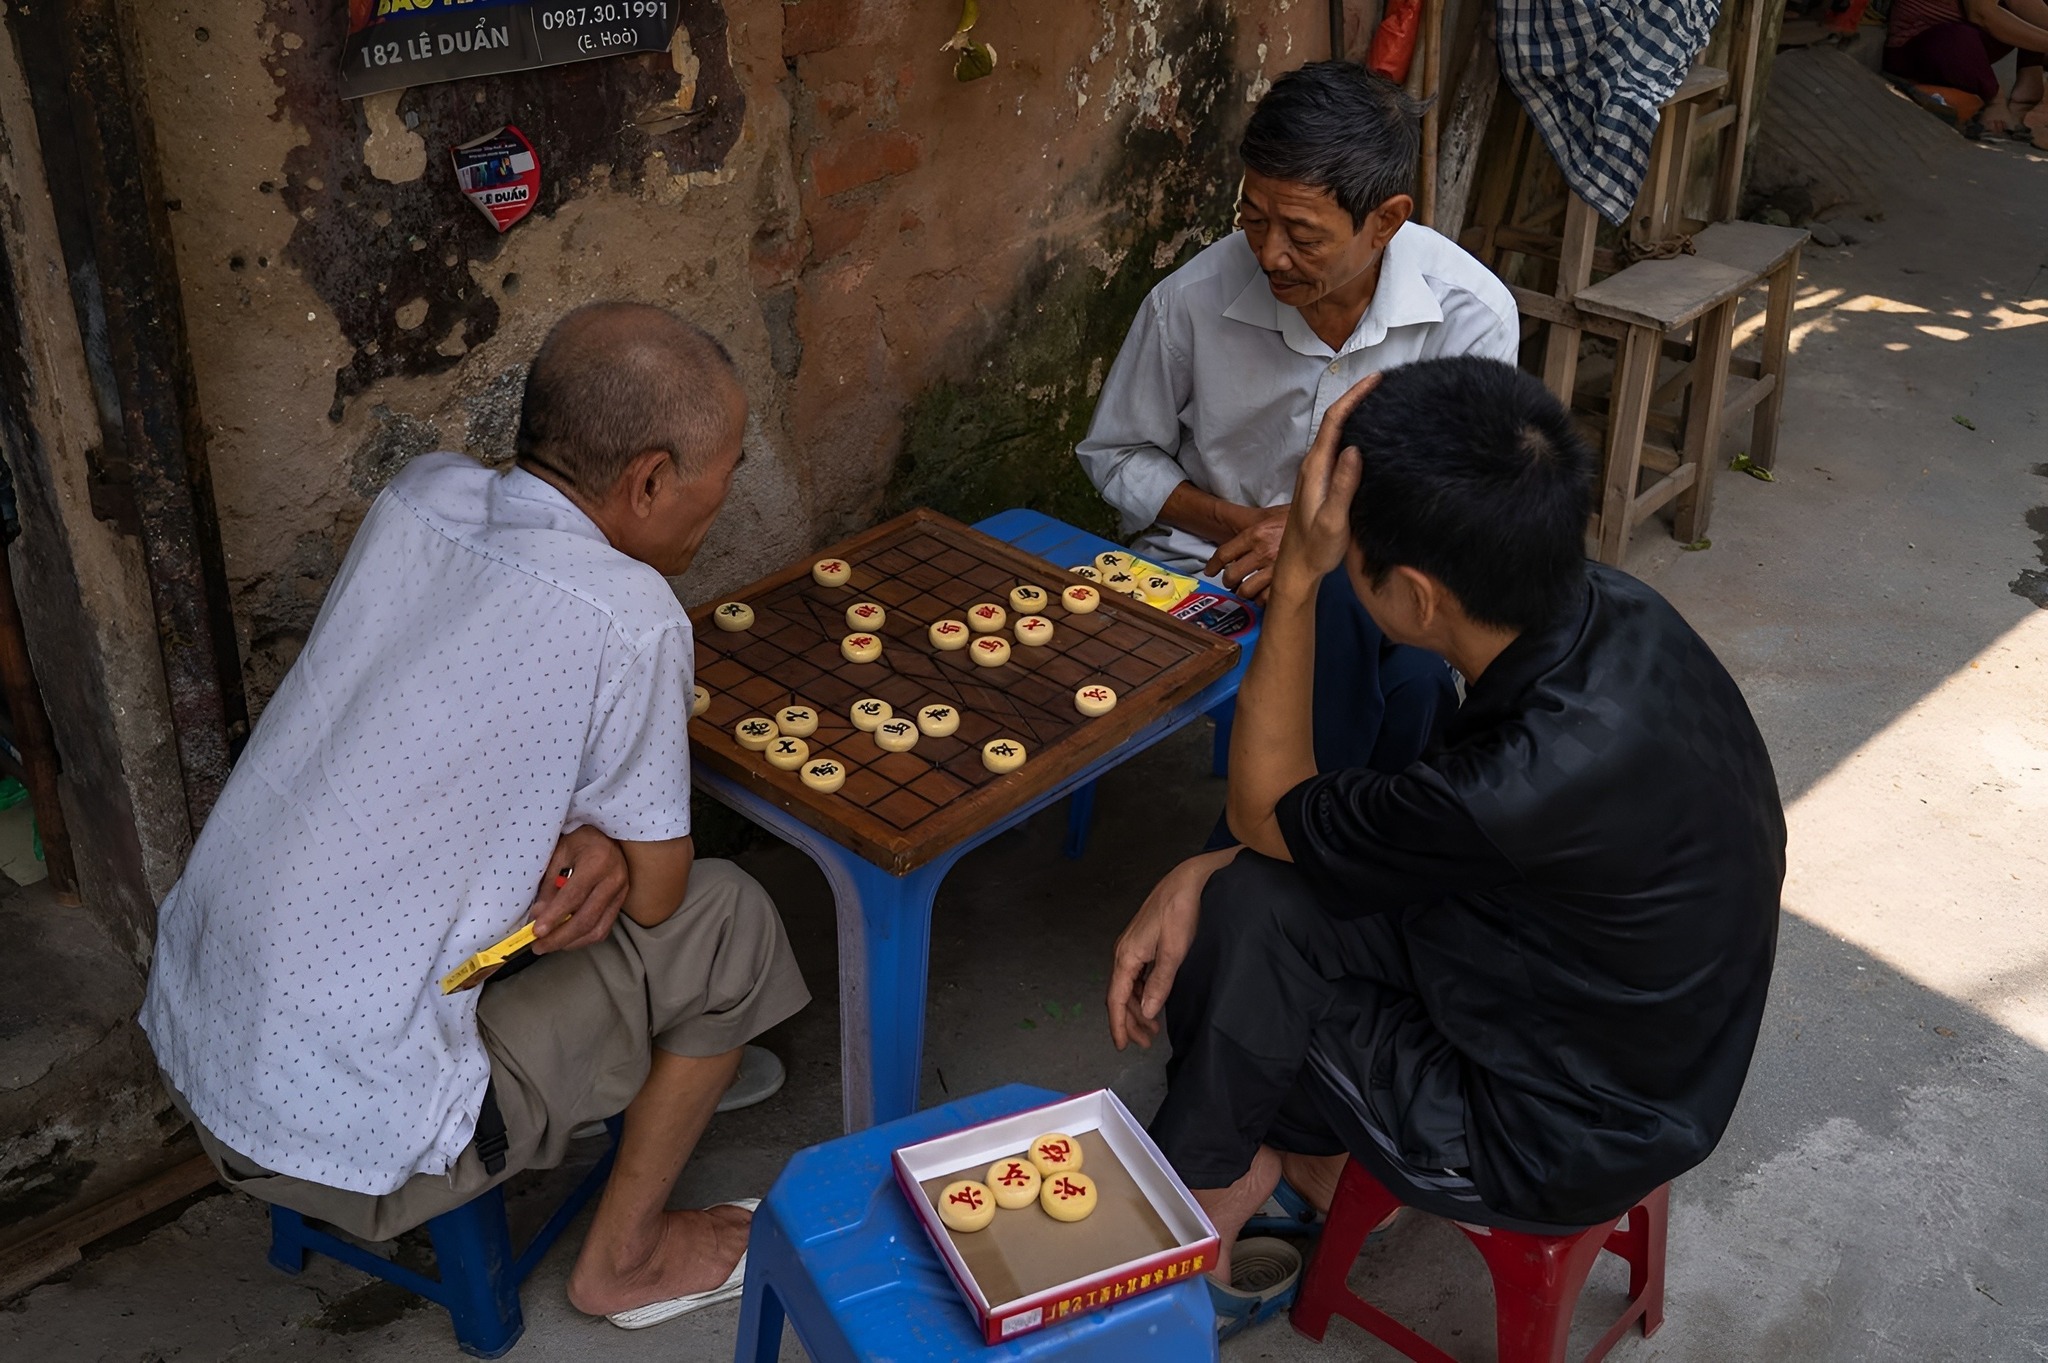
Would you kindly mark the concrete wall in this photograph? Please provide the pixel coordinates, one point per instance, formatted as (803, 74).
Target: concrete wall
(921, 279)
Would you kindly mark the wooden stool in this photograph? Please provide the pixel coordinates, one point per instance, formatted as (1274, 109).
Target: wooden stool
(1536, 1278)
(1651, 301)
(1769, 256)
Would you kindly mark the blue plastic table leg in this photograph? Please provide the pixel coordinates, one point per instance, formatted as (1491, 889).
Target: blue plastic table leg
(473, 1250)
(1080, 819)
(885, 933)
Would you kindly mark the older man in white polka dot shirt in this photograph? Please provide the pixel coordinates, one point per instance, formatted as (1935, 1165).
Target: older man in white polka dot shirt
(496, 692)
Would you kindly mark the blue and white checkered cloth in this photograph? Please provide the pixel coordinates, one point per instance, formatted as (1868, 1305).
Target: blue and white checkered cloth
(1593, 75)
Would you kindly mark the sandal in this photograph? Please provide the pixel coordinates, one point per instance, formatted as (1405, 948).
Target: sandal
(640, 1317)
(1286, 1212)
(1265, 1274)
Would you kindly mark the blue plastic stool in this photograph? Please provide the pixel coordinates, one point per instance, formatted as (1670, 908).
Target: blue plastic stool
(479, 1274)
(837, 1253)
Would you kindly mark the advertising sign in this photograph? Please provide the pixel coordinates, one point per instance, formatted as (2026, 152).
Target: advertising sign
(397, 43)
(500, 175)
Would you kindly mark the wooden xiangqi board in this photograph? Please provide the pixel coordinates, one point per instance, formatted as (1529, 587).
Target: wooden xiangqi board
(899, 810)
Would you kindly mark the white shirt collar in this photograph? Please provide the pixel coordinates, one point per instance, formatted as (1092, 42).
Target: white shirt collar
(1402, 298)
(518, 484)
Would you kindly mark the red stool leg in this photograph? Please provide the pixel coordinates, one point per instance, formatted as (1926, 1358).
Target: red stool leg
(1643, 1244)
(1536, 1284)
(1359, 1206)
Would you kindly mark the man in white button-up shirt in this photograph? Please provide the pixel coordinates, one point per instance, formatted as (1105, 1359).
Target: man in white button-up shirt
(1234, 358)
(486, 725)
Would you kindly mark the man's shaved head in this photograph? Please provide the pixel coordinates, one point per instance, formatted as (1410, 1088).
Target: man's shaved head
(615, 380)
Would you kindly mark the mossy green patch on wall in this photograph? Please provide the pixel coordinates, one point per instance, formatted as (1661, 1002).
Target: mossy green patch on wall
(1004, 436)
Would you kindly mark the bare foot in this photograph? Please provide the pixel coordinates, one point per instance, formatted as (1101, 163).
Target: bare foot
(695, 1251)
(1314, 1177)
(1229, 1208)
(1997, 116)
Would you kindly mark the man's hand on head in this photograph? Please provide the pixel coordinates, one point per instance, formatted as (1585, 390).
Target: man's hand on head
(1244, 562)
(578, 909)
(1149, 953)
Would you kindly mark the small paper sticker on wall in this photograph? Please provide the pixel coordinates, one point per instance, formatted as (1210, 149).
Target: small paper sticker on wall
(500, 174)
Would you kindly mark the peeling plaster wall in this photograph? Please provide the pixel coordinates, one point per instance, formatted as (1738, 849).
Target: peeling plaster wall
(922, 282)
(806, 180)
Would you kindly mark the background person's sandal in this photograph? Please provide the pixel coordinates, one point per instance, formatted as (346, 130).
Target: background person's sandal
(640, 1317)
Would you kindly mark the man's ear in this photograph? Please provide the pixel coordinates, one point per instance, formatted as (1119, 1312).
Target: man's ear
(1386, 220)
(645, 478)
(1425, 595)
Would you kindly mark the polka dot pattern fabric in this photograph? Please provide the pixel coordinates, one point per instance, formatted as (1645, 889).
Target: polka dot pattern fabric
(487, 673)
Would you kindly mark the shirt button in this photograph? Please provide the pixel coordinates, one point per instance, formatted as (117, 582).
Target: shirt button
(1333, 366)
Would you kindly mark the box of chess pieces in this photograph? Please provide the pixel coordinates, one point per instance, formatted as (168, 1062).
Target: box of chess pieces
(1054, 1212)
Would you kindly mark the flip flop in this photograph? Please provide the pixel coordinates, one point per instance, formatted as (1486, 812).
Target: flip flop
(1286, 1212)
(655, 1313)
(1265, 1274)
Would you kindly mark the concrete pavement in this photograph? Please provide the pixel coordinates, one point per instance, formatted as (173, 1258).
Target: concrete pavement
(1883, 1192)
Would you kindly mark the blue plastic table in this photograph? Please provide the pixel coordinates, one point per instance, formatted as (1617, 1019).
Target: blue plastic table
(885, 921)
(836, 1250)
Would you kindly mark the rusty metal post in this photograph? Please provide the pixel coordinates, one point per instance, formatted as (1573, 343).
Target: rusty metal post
(99, 152)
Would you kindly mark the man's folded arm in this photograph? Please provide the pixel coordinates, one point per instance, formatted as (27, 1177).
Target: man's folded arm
(1128, 452)
(659, 875)
(1371, 843)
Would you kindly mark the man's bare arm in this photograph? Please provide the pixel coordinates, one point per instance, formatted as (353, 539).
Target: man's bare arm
(660, 873)
(1203, 513)
(1272, 741)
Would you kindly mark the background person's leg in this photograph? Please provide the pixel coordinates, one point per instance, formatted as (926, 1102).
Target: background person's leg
(1377, 704)
(1954, 55)
(637, 1251)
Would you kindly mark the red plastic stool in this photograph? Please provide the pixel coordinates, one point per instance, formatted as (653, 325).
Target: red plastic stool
(1536, 1278)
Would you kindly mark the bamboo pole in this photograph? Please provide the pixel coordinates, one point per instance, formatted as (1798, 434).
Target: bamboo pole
(1432, 121)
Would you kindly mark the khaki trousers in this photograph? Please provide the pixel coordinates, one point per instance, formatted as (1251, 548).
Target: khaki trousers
(571, 1039)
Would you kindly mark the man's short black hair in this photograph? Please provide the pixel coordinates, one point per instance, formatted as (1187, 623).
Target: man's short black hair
(1339, 127)
(1473, 473)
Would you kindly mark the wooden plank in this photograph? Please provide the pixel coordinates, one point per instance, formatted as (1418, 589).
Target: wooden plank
(1543, 308)
(1665, 294)
(1709, 123)
(1763, 438)
(1546, 246)
(900, 810)
(1755, 248)
(1744, 394)
(51, 1251)
(1663, 490)
(1701, 80)
(1695, 507)
(1465, 132)
(1574, 271)
(1742, 97)
(1660, 458)
(1632, 383)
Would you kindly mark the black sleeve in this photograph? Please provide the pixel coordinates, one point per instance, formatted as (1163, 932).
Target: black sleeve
(1371, 843)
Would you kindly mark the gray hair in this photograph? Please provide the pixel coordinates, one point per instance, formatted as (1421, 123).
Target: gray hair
(614, 380)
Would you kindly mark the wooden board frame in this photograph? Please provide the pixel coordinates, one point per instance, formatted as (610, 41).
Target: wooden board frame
(1153, 661)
